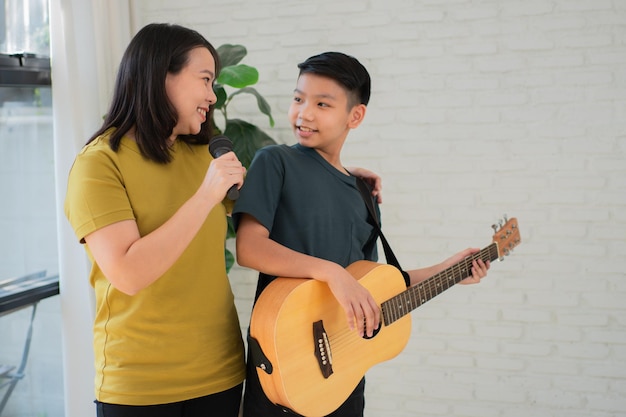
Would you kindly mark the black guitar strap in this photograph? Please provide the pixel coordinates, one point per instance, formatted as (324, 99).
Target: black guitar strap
(366, 193)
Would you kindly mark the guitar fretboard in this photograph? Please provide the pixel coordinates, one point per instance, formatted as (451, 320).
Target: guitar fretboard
(407, 301)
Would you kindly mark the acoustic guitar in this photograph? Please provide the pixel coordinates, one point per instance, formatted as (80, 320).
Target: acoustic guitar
(307, 358)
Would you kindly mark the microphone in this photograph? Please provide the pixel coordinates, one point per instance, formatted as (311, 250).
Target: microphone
(218, 146)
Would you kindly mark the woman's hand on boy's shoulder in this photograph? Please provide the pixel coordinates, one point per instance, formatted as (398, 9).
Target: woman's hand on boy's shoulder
(372, 179)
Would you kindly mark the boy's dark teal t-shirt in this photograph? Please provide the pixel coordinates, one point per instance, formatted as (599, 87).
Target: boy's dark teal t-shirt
(307, 205)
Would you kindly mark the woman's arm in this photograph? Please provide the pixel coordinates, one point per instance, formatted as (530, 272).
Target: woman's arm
(372, 179)
(131, 262)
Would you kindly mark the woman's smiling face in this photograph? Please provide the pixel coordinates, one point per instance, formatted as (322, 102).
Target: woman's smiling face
(191, 91)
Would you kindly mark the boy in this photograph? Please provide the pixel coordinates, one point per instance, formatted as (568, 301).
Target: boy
(300, 213)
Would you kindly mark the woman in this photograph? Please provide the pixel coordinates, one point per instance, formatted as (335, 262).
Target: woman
(145, 197)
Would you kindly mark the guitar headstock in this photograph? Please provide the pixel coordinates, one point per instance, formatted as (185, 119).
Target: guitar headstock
(507, 236)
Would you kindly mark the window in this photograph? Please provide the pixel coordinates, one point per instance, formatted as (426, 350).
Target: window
(28, 238)
(24, 26)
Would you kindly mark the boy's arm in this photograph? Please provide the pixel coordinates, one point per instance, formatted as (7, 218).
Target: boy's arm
(257, 251)
(479, 268)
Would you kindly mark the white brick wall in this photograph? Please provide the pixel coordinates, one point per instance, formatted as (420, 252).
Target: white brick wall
(479, 108)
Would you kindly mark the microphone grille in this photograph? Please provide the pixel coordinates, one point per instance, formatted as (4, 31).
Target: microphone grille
(220, 142)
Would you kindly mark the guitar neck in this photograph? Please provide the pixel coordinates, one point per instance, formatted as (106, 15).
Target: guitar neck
(407, 301)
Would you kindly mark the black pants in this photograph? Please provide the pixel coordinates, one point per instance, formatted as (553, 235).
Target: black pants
(222, 404)
(256, 404)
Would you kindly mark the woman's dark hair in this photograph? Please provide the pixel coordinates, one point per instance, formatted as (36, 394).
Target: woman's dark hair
(140, 99)
(344, 69)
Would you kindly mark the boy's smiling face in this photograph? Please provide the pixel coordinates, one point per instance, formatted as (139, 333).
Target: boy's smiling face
(319, 114)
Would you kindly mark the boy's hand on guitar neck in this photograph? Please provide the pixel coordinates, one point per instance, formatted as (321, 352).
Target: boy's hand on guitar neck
(356, 300)
(479, 268)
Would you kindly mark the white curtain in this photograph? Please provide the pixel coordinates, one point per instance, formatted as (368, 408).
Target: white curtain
(87, 40)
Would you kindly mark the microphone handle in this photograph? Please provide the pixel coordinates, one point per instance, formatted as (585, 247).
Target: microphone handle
(233, 192)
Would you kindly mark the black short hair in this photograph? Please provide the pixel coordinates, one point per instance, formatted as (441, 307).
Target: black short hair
(344, 69)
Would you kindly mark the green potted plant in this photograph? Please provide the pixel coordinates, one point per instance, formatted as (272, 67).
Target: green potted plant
(247, 138)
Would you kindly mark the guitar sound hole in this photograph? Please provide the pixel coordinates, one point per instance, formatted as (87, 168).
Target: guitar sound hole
(365, 336)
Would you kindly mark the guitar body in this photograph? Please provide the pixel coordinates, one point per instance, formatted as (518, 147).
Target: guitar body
(282, 323)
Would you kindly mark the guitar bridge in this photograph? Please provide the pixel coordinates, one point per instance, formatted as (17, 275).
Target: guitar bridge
(322, 349)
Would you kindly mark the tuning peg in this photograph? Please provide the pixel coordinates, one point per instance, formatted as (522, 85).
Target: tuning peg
(506, 219)
(494, 227)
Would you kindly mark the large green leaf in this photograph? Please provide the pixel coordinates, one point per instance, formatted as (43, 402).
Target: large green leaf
(247, 139)
(231, 54)
(238, 76)
(264, 106)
